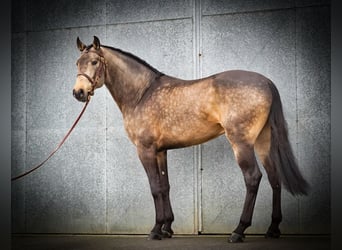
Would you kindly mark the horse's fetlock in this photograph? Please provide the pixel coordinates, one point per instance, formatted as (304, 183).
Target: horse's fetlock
(277, 219)
(245, 224)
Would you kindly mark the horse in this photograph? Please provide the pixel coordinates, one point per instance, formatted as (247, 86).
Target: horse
(161, 112)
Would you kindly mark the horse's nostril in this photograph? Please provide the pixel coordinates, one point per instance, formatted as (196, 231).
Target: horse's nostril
(79, 94)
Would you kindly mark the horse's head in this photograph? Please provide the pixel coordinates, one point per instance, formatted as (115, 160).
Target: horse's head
(91, 70)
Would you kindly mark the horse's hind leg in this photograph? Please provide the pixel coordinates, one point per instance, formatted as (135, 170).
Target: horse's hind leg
(244, 154)
(262, 147)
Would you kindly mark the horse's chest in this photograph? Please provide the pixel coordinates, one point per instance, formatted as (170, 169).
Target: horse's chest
(141, 129)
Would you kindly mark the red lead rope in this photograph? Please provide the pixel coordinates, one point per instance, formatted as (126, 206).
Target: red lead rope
(57, 148)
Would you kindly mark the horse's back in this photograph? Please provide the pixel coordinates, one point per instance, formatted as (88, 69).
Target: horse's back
(241, 78)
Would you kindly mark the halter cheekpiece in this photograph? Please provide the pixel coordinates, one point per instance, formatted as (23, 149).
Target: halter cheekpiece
(98, 73)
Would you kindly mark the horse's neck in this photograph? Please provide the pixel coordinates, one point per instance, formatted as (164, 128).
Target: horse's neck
(126, 79)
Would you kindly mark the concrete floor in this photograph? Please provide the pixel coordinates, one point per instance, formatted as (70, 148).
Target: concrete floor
(104, 242)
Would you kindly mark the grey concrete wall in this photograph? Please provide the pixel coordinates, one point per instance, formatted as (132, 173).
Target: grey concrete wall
(95, 183)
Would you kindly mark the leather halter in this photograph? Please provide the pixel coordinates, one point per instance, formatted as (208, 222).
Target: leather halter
(98, 73)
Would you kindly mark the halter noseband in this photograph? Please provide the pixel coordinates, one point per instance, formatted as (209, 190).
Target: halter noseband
(98, 73)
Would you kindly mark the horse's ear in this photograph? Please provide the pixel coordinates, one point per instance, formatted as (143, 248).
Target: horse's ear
(96, 43)
(81, 46)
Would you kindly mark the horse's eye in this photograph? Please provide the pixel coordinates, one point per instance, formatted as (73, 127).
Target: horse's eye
(93, 62)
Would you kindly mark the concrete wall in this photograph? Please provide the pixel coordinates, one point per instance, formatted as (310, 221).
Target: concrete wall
(95, 183)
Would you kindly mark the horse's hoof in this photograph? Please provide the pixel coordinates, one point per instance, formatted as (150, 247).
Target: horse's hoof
(154, 236)
(273, 234)
(235, 238)
(167, 234)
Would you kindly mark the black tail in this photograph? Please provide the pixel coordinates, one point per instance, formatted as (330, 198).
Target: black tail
(281, 152)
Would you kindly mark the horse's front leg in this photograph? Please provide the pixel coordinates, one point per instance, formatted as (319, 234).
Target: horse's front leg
(165, 186)
(148, 157)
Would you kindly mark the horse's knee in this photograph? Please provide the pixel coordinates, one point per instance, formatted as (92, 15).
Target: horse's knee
(159, 190)
(156, 190)
(165, 190)
(252, 184)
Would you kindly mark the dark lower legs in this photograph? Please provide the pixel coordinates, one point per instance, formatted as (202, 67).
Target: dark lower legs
(165, 186)
(246, 159)
(252, 176)
(273, 231)
(262, 146)
(155, 165)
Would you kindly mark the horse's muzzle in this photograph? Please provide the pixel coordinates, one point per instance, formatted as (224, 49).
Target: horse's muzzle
(80, 95)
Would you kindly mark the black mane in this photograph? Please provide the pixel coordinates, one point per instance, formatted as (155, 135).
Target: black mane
(134, 57)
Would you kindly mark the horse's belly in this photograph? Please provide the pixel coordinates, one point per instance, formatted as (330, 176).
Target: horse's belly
(187, 135)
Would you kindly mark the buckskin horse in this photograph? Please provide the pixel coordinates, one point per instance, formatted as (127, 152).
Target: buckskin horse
(161, 112)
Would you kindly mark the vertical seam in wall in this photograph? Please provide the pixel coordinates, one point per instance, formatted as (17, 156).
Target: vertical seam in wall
(106, 136)
(297, 123)
(26, 134)
(26, 112)
(195, 164)
(197, 149)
